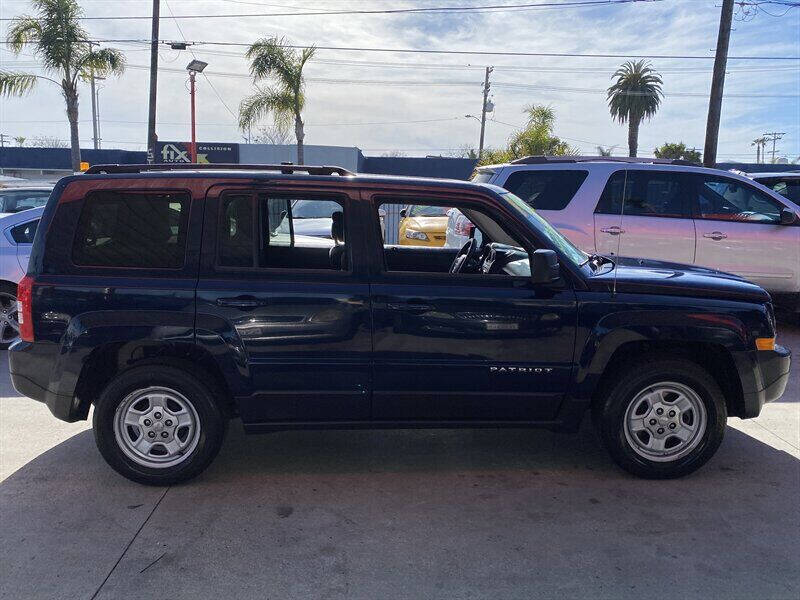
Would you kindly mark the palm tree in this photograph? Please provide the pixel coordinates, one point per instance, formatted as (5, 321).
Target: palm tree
(65, 51)
(273, 58)
(635, 95)
(534, 139)
(537, 138)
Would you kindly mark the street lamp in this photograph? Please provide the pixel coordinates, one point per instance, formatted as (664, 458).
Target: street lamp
(194, 67)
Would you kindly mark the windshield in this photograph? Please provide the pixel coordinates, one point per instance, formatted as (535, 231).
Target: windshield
(418, 210)
(482, 176)
(787, 187)
(16, 201)
(559, 241)
(314, 209)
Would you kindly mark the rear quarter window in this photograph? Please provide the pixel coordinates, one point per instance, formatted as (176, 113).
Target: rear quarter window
(132, 229)
(24, 233)
(546, 190)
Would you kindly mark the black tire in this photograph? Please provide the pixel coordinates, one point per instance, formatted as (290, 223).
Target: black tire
(9, 290)
(610, 415)
(202, 398)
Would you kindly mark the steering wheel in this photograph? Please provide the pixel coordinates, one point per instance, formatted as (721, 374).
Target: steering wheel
(467, 253)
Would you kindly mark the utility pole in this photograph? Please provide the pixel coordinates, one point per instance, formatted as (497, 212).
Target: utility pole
(757, 144)
(95, 137)
(774, 137)
(151, 119)
(486, 87)
(717, 84)
(193, 149)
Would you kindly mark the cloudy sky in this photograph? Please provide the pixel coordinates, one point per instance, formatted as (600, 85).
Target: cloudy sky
(416, 103)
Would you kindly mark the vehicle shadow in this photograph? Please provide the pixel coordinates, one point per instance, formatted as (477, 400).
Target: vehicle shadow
(414, 513)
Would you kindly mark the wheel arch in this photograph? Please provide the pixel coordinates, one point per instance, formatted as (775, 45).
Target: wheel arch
(714, 358)
(110, 360)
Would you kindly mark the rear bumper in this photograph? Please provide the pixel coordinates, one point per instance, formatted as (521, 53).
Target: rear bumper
(30, 371)
(768, 381)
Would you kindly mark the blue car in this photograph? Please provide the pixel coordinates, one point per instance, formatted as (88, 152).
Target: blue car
(174, 298)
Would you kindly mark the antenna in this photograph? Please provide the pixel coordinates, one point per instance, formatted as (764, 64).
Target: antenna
(621, 231)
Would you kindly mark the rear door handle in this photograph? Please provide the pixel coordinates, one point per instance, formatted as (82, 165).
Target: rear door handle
(614, 230)
(240, 302)
(715, 235)
(410, 306)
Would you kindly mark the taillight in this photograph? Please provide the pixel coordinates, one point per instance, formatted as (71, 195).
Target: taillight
(25, 308)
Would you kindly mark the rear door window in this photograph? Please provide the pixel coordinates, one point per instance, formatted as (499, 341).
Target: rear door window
(647, 194)
(546, 190)
(132, 229)
(257, 231)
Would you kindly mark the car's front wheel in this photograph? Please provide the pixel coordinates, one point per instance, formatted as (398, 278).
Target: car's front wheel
(662, 418)
(158, 425)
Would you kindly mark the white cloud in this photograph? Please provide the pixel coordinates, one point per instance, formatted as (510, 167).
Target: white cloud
(670, 27)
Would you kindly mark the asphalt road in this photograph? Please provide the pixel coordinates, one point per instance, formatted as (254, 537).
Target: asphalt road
(401, 514)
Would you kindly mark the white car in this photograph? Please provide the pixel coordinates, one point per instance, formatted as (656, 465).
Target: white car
(459, 229)
(19, 198)
(16, 238)
(665, 210)
(786, 184)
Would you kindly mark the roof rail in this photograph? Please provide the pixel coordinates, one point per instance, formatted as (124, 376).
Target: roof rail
(286, 169)
(538, 160)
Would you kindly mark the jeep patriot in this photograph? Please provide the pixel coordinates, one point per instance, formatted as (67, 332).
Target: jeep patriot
(172, 298)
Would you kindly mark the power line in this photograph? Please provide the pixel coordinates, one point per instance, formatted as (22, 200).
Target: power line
(177, 123)
(457, 66)
(211, 85)
(773, 137)
(391, 11)
(428, 83)
(463, 83)
(459, 52)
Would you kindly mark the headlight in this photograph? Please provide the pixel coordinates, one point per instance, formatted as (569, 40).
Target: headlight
(416, 235)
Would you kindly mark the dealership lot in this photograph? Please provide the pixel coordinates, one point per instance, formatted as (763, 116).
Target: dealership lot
(369, 514)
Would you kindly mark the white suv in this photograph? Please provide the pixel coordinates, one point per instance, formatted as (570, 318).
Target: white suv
(665, 210)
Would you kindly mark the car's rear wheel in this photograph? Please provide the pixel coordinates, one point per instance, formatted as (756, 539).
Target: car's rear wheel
(662, 418)
(9, 323)
(158, 425)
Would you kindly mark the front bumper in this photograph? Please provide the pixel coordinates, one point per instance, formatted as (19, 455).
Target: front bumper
(769, 379)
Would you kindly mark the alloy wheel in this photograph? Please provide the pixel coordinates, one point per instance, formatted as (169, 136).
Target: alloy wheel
(9, 322)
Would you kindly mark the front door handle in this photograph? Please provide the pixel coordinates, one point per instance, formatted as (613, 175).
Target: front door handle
(411, 306)
(715, 235)
(614, 230)
(240, 302)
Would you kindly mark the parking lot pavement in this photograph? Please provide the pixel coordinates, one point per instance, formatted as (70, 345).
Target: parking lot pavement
(401, 514)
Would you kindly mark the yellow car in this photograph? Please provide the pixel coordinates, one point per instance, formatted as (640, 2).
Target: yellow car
(423, 225)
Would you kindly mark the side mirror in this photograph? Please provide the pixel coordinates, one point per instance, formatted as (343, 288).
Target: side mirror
(788, 216)
(544, 266)
(403, 213)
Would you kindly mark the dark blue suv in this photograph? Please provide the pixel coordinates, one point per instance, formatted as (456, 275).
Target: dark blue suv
(173, 299)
